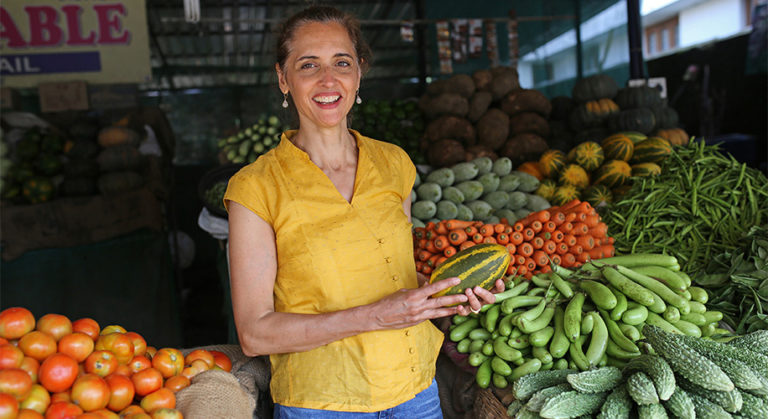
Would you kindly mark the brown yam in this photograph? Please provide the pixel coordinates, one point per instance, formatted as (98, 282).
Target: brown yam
(450, 126)
(493, 129)
(526, 100)
(461, 84)
(528, 122)
(497, 71)
(482, 79)
(437, 87)
(445, 152)
(478, 104)
(524, 147)
(503, 84)
(445, 104)
(479, 150)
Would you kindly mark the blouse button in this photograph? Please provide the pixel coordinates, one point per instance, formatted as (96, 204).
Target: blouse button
(388, 259)
(381, 241)
(407, 333)
(395, 277)
(411, 350)
(413, 369)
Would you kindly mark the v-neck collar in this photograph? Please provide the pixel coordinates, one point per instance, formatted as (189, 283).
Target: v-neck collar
(287, 146)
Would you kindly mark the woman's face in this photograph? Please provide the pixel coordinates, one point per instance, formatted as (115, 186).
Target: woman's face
(321, 73)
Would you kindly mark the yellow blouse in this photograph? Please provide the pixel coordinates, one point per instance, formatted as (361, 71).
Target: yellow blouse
(332, 255)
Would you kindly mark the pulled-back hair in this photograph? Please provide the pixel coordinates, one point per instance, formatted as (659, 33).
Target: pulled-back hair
(323, 14)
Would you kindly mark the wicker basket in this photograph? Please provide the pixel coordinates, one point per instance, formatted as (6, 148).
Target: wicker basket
(488, 406)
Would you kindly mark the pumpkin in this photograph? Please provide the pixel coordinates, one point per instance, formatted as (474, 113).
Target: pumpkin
(646, 169)
(598, 195)
(546, 189)
(564, 194)
(640, 119)
(591, 114)
(613, 173)
(618, 147)
(666, 117)
(477, 266)
(588, 155)
(112, 136)
(574, 175)
(120, 157)
(653, 150)
(638, 97)
(551, 163)
(594, 87)
(675, 136)
(532, 168)
(37, 189)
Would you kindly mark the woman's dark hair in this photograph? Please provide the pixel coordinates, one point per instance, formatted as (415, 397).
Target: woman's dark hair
(323, 14)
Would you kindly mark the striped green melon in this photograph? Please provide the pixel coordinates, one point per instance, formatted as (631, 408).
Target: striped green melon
(546, 189)
(618, 147)
(588, 155)
(635, 136)
(613, 173)
(653, 150)
(551, 162)
(480, 265)
(646, 169)
(575, 175)
(564, 194)
(598, 195)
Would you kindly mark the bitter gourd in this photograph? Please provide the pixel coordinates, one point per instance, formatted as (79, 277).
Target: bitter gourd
(641, 388)
(572, 404)
(658, 370)
(528, 384)
(617, 405)
(596, 380)
(681, 405)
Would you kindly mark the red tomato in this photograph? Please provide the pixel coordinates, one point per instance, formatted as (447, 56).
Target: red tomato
(105, 414)
(101, 363)
(31, 366)
(55, 325)
(38, 399)
(131, 410)
(89, 415)
(15, 322)
(146, 381)
(139, 363)
(121, 392)
(118, 343)
(123, 369)
(90, 392)
(139, 344)
(58, 372)
(63, 410)
(151, 351)
(200, 354)
(169, 361)
(10, 356)
(166, 413)
(3, 341)
(9, 406)
(112, 328)
(158, 399)
(222, 360)
(87, 326)
(29, 414)
(176, 383)
(60, 397)
(16, 382)
(77, 345)
(38, 345)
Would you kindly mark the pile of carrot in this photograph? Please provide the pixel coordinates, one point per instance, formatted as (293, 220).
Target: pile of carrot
(568, 235)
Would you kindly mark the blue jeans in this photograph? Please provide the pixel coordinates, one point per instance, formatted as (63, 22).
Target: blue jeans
(426, 405)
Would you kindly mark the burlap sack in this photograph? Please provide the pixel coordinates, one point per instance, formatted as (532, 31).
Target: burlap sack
(215, 394)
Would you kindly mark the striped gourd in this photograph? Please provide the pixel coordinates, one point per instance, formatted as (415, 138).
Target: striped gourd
(618, 147)
(653, 150)
(565, 193)
(551, 163)
(646, 169)
(598, 195)
(546, 189)
(588, 155)
(479, 265)
(613, 173)
(635, 136)
(575, 175)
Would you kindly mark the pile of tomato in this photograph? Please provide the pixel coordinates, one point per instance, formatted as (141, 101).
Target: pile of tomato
(55, 368)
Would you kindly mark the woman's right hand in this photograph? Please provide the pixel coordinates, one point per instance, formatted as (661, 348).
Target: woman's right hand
(408, 307)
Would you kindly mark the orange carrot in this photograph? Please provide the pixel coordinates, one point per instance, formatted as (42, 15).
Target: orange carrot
(449, 251)
(519, 260)
(441, 228)
(561, 249)
(545, 269)
(503, 220)
(536, 226)
(541, 258)
(570, 240)
(430, 226)
(457, 224)
(557, 259)
(432, 261)
(608, 250)
(581, 207)
(426, 270)
(549, 247)
(486, 230)
(441, 242)
(419, 265)
(610, 240)
(537, 242)
(581, 217)
(525, 249)
(557, 236)
(440, 260)
(502, 238)
(431, 234)
(586, 241)
(498, 228)
(489, 239)
(457, 236)
(570, 204)
(558, 218)
(530, 263)
(477, 238)
(592, 220)
(577, 249)
(596, 253)
(466, 245)
(601, 230)
(571, 216)
(566, 227)
(512, 269)
(583, 257)
(471, 231)
(508, 229)
(522, 270)
(516, 237)
(528, 234)
(511, 248)
(580, 229)
(518, 226)
(424, 255)
(549, 226)
(419, 232)
(422, 244)
(431, 246)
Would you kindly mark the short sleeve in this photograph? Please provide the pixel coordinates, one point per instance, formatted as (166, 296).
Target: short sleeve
(408, 171)
(245, 189)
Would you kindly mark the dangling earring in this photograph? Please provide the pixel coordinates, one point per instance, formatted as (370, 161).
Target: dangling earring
(285, 99)
(358, 100)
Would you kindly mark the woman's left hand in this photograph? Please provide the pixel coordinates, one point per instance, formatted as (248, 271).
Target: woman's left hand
(477, 297)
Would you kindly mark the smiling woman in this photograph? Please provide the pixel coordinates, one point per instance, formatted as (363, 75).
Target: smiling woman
(321, 262)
